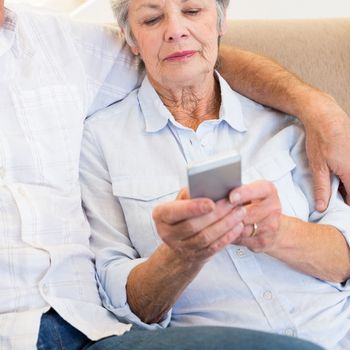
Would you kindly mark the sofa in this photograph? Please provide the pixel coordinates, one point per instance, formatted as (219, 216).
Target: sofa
(317, 50)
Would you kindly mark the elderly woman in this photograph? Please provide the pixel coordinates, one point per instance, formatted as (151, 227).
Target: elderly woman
(263, 258)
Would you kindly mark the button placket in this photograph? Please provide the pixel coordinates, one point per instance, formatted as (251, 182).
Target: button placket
(240, 252)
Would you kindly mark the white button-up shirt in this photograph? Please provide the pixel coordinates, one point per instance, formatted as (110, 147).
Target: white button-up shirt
(134, 157)
(52, 74)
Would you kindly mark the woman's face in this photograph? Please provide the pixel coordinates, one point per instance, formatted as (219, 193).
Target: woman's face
(176, 39)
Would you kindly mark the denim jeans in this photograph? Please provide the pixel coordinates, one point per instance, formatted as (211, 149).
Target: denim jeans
(57, 334)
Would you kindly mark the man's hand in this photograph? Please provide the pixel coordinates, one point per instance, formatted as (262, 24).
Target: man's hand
(196, 229)
(327, 125)
(328, 146)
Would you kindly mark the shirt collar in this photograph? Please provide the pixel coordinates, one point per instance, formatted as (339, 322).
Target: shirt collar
(157, 115)
(231, 107)
(8, 31)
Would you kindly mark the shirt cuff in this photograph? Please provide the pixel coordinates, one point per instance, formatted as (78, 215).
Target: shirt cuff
(114, 298)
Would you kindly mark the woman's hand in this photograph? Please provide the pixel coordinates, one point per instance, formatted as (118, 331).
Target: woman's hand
(261, 203)
(193, 230)
(196, 229)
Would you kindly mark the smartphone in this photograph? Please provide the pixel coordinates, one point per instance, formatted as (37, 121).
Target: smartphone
(215, 177)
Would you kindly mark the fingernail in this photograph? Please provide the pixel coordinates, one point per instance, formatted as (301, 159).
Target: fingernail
(320, 205)
(206, 208)
(235, 198)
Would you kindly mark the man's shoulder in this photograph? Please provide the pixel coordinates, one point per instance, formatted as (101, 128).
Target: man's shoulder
(117, 114)
(29, 15)
(45, 24)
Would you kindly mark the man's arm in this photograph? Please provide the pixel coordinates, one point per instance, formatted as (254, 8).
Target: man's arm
(327, 125)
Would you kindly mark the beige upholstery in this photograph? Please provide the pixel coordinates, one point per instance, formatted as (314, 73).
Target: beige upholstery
(316, 50)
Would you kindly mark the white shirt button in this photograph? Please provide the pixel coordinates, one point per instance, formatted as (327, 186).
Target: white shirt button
(267, 295)
(45, 289)
(290, 332)
(240, 252)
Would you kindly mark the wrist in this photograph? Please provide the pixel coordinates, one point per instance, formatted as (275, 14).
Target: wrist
(174, 263)
(283, 241)
(313, 107)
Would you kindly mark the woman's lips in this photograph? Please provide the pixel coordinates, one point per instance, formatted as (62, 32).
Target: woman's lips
(180, 56)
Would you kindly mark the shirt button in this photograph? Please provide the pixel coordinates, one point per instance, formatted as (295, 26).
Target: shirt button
(45, 289)
(240, 252)
(290, 332)
(268, 295)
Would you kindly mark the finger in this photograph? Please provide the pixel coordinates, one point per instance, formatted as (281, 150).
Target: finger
(249, 231)
(258, 190)
(322, 186)
(176, 211)
(183, 194)
(345, 179)
(213, 232)
(224, 240)
(188, 228)
(260, 210)
(264, 234)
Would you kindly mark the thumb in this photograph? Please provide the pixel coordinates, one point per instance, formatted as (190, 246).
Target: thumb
(346, 187)
(322, 188)
(347, 199)
(183, 194)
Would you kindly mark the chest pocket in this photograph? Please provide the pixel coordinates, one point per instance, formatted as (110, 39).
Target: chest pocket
(278, 169)
(138, 195)
(50, 119)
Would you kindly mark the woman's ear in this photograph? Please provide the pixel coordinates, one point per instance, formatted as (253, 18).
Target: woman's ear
(131, 43)
(135, 50)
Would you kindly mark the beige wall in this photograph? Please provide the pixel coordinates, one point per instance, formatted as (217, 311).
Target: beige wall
(289, 9)
(99, 9)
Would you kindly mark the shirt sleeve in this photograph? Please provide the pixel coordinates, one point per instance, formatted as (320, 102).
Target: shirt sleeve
(337, 213)
(111, 69)
(110, 241)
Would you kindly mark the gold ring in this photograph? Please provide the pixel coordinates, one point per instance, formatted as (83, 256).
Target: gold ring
(255, 230)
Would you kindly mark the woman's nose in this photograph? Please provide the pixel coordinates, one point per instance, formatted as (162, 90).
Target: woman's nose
(175, 30)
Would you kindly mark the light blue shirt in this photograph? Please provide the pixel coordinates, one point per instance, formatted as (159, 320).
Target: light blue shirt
(134, 157)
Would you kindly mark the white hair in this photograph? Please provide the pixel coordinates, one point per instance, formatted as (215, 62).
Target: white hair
(121, 11)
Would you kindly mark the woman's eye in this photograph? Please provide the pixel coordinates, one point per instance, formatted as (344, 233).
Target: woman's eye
(192, 12)
(151, 21)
